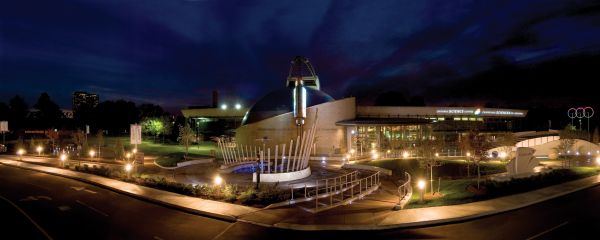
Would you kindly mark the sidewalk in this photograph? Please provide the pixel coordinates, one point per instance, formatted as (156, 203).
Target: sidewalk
(370, 213)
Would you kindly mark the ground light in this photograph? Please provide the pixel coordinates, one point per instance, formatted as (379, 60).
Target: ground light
(20, 152)
(39, 150)
(128, 168)
(421, 186)
(63, 158)
(218, 180)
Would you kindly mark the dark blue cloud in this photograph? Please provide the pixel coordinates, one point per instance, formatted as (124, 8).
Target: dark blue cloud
(175, 53)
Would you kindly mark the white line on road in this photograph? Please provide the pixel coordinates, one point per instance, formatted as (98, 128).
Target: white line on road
(92, 208)
(90, 191)
(547, 231)
(225, 230)
(27, 216)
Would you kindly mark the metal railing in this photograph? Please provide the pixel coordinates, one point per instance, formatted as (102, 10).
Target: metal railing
(332, 192)
(404, 192)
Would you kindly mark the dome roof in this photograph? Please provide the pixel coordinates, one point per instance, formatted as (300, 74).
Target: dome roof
(279, 102)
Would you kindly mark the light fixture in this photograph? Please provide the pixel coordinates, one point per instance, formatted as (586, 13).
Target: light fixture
(218, 180)
(238, 106)
(224, 106)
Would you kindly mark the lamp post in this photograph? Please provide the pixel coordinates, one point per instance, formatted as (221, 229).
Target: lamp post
(421, 186)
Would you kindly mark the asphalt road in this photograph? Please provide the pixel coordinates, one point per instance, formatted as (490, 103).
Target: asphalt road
(69, 209)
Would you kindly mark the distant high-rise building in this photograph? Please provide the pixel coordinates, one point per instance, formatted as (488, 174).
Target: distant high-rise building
(84, 100)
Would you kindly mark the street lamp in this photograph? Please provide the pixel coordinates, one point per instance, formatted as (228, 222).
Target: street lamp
(39, 150)
(238, 106)
(63, 158)
(20, 152)
(421, 186)
(224, 106)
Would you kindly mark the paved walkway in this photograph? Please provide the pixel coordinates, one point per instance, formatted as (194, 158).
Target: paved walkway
(373, 212)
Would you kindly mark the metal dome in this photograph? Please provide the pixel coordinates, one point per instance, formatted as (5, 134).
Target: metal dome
(279, 102)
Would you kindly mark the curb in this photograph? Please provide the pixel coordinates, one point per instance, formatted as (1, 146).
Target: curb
(325, 227)
(228, 218)
(303, 227)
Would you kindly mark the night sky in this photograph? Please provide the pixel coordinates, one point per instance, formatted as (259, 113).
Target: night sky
(175, 52)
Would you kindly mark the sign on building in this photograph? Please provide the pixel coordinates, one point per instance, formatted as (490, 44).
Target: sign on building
(136, 134)
(3, 126)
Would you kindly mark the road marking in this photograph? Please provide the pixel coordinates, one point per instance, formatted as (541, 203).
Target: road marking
(547, 231)
(158, 238)
(45, 197)
(84, 189)
(90, 191)
(29, 218)
(28, 198)
(92, 208)
(64, 208)
(225, 230)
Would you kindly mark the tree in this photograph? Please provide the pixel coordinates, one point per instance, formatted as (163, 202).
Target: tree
(480, 145)
(4, 111)
(52, 135)
(186, 136)
(167, 128)
(466, 147)
(428, 149)
(18, 112)
(49, 114)
(100, 141)
(149, 110)
(119, 149)
(79, 139)
(566, 143)
(507, 142)
(152, 126)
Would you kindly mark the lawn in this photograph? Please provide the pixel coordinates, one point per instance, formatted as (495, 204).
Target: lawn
(455, 191)
(449, 169)
(167, 154)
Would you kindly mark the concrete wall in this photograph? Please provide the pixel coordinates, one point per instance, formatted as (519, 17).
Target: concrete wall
(281, 129)
(580, 146)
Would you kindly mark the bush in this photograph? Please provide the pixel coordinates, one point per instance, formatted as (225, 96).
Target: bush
(519, 185)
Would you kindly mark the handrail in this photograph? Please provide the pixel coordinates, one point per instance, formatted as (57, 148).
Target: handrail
(404, 191)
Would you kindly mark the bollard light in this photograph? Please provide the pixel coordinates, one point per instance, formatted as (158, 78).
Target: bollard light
(218, 180)
(421, 184)
(405, 154)
(20, 152)
(468, 154)
(92, 153)
(128, 167)
(437, 154)
(39, 150)
(63, 158)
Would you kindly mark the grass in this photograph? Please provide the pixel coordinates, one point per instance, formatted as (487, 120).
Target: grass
(449, 169)
(455, 191)
(168, 154)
